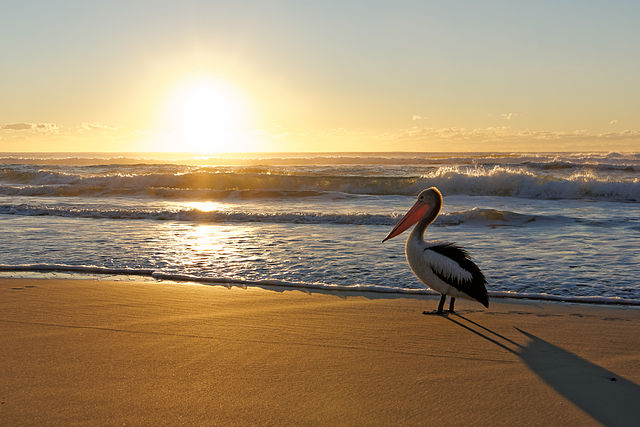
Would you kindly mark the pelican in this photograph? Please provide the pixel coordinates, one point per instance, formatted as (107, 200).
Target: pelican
(444, 267)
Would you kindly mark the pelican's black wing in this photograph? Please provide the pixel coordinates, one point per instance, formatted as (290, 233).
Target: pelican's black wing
(475, 287)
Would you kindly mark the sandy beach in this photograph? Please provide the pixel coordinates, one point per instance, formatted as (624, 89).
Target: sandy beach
(114, 352)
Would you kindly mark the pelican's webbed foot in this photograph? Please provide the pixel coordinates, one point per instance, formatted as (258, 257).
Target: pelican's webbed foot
(436, 313)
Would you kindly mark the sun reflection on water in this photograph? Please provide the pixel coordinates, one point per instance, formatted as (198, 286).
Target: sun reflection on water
(206, 206)
(218, 249)
(206, 239)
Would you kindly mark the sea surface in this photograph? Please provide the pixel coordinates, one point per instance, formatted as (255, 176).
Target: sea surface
(551, 226)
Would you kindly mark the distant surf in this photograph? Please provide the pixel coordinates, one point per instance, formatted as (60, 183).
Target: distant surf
(208, 183)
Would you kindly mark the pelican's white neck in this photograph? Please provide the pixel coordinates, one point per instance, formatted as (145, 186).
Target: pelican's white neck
(420, 228)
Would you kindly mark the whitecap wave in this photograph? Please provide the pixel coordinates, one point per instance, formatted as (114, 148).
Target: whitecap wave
(220, 183)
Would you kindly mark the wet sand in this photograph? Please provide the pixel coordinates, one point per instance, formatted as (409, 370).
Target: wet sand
(105, 352)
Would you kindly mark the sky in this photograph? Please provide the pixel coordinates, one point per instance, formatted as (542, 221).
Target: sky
(219, 76)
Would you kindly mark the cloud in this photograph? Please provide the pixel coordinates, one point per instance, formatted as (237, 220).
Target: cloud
(506, 116)
(37, 132)
(419, 138)
(98, 126)
(507, 134)
(613, 122)
(18, 126)
(45, 127)
(31, 127)
(417, 117)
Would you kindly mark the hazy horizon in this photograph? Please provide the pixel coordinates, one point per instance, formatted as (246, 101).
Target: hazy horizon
(247, 153)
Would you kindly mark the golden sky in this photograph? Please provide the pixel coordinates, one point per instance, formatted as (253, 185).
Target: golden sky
(319, 76)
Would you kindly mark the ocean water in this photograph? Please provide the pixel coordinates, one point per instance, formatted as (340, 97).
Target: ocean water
(555, 225)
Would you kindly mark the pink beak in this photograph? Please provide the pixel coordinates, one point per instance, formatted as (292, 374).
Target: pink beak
(415, 214)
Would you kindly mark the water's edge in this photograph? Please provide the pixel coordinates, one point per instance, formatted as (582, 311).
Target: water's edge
(77, 272)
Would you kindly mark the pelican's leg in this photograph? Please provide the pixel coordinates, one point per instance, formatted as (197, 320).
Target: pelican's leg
(451, 302)
(441, 305)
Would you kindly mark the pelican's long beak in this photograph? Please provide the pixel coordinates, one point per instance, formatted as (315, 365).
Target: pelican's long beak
(414, 215)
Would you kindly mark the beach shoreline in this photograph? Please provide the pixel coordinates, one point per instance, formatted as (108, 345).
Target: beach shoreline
(142, 352)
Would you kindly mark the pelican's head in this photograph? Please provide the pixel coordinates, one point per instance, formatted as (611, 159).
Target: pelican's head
(428, 204)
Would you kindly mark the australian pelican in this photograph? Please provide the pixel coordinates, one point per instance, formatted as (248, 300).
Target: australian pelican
(444, 267)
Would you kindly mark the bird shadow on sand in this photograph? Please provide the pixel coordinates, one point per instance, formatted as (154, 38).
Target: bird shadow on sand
(604, 395)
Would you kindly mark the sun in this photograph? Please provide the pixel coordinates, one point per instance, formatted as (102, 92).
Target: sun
(206, 115)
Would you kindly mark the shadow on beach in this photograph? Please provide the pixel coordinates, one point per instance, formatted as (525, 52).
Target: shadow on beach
(604, 395)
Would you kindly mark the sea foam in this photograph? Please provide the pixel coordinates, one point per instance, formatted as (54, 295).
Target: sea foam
(307, 286)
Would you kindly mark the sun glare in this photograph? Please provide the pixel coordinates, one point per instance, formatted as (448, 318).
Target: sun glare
(206, 116)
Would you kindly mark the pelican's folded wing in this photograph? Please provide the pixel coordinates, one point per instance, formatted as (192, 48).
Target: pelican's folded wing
(453, 265)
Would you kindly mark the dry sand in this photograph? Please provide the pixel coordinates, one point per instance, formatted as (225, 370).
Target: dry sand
(102, 352)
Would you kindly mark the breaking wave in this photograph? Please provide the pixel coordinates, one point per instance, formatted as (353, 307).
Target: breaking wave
(217, 184)
(476, 216)
(500, 181)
